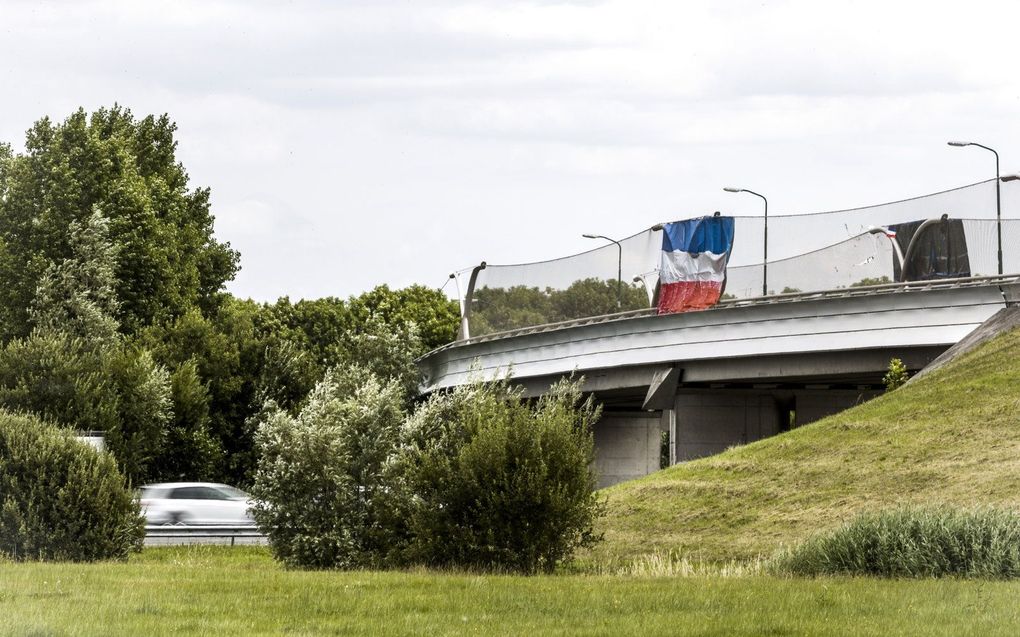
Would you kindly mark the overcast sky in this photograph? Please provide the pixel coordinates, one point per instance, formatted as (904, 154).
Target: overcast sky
(352, 144)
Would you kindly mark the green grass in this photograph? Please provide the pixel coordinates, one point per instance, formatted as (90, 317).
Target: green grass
(224, 591)
(952, 437)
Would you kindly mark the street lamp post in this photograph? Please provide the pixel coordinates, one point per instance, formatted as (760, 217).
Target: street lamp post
(619, 267)
(890, 235)
(998, 196)
(765, 246)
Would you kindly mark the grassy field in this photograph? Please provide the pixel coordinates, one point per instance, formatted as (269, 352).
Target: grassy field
(952, 437)
(241, 591)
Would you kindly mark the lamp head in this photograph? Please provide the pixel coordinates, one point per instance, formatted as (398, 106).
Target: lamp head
(1010, 178)
(959, 143)
(589, 236)
(732, 189)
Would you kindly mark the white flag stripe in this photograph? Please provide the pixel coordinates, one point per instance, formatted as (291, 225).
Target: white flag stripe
(679, 266)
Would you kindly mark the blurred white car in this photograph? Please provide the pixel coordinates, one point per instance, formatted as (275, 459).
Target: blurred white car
(195, 503)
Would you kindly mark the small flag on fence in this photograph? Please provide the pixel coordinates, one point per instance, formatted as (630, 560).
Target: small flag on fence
(694, 257)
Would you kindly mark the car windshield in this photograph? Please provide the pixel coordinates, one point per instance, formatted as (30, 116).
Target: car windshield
(152, 493)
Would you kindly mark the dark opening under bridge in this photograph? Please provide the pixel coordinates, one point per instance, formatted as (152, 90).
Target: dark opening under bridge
(732, 374)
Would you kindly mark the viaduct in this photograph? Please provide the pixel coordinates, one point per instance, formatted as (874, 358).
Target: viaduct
(732, 374)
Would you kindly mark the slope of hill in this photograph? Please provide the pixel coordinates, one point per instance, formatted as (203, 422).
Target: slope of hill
(952, 436)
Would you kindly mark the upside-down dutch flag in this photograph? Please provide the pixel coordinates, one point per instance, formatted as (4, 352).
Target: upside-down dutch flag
(694, 257)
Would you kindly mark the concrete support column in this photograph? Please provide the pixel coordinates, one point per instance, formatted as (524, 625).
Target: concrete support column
(627, 445)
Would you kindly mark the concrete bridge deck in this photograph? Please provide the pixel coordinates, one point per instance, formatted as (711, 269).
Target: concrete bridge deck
(734, 373)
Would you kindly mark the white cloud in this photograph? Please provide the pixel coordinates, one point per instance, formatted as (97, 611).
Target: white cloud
(349, 144)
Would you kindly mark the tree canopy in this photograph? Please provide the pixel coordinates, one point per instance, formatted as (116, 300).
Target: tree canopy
(124, 169)
(499, 309)
(114, 317)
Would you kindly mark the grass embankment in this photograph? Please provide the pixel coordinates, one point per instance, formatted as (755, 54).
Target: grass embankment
(224, 591)
(952, 437)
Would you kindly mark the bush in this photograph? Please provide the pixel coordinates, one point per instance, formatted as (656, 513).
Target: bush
(492, 482)
(915, 542)
(896, 376)
(61, 499)
(91, 385)
(319, 488)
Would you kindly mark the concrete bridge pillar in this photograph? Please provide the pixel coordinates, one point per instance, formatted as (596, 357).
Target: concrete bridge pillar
(627, 445)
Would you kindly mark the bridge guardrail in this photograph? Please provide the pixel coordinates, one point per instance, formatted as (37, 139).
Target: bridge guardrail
(884, 288)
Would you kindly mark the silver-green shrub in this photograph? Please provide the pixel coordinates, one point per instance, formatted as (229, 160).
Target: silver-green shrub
(60, 499)
(321, 496)
(918, 542)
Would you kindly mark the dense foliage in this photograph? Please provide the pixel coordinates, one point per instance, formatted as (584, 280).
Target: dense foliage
(915, 542)
(113, 315)
(498, 309)
(60, 499)
(493, 482)
(477, 478)
(126, 170)
(75, 368)
(866, 281)
(321, 493)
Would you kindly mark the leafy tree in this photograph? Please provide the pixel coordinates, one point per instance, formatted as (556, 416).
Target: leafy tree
(871, 281)
(60, 378)
(316, 325)
(75, 370)
(189, 451)
(228, 355)
(287, 375)
(143, 399)
(167, 260)
(435, 317)
(595, 297)
(73, 382)
(385, 350)
(500, 309)
(78, 295)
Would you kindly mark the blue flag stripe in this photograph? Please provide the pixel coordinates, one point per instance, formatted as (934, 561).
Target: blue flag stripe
(704, 234)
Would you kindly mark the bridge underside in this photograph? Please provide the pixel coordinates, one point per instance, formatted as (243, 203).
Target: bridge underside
(658, 415)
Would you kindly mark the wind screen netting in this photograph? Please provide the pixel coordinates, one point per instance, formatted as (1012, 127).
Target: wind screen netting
(806, 253)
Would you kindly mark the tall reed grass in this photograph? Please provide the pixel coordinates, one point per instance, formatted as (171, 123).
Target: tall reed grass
(916, 542)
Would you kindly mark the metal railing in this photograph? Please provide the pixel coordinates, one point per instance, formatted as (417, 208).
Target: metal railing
(869, 290)
(168, 534)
